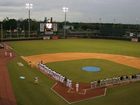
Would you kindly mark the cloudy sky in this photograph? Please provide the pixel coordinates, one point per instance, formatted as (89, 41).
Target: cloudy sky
(118, 11)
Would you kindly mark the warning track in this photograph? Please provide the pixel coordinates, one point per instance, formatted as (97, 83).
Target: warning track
(6, 92)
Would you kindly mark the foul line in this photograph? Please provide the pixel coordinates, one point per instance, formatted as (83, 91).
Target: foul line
(59, 94)
(105, 91)
(91, 97)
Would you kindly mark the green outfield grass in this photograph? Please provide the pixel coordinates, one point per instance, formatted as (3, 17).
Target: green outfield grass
(27, 93)
(73, 69)
(76, 45)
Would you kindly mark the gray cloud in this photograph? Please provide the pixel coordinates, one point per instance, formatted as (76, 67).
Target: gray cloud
(124, 11)
(10, 4)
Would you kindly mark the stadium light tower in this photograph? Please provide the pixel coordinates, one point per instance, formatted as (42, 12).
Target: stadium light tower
(1, 26)
(29, 6)
(65, 10)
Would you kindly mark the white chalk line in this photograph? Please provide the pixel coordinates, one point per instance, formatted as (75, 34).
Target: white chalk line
(59, 94)
(80, 100)
(91, 97)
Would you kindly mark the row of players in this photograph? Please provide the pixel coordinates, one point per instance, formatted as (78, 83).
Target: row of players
(94, 84)
(55, 75)
(115, 80)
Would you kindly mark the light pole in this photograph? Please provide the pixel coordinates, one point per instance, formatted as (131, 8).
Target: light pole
(65, 10)
(137, 26)
(1, 32)
(100, 20)
(29, 6)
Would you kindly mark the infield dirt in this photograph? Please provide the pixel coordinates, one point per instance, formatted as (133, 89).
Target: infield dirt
(121, 59)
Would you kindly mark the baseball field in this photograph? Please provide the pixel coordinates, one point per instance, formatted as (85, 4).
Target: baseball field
(68, 56)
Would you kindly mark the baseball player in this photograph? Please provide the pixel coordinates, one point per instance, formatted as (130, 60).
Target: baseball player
(77, 87)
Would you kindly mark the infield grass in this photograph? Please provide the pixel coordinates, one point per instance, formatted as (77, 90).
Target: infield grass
(73, 69)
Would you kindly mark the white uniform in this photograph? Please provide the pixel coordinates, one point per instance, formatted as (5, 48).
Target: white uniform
(77, 87)
(92, 84)
(5, 53)
(70, 84)
(10, 54)
(67, 83)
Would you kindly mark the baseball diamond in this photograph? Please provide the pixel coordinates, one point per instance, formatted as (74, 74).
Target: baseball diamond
(62, 52)
(61, 70)
(46, 58)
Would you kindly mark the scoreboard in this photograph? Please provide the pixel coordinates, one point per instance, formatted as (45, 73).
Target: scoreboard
(48, 27)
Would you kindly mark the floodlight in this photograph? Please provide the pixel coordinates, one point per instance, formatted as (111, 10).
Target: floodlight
(65, 9)
(29, 6)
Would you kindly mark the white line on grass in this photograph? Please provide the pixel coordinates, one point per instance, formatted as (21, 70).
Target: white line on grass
(59, 94)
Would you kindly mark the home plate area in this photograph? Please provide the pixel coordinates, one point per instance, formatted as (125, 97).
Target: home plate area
(85, 92)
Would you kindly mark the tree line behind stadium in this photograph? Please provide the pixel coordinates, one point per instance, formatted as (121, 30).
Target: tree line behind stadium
(12, 28)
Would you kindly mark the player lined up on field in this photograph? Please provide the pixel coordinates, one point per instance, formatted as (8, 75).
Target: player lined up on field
(115, 80)
(55, 75)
